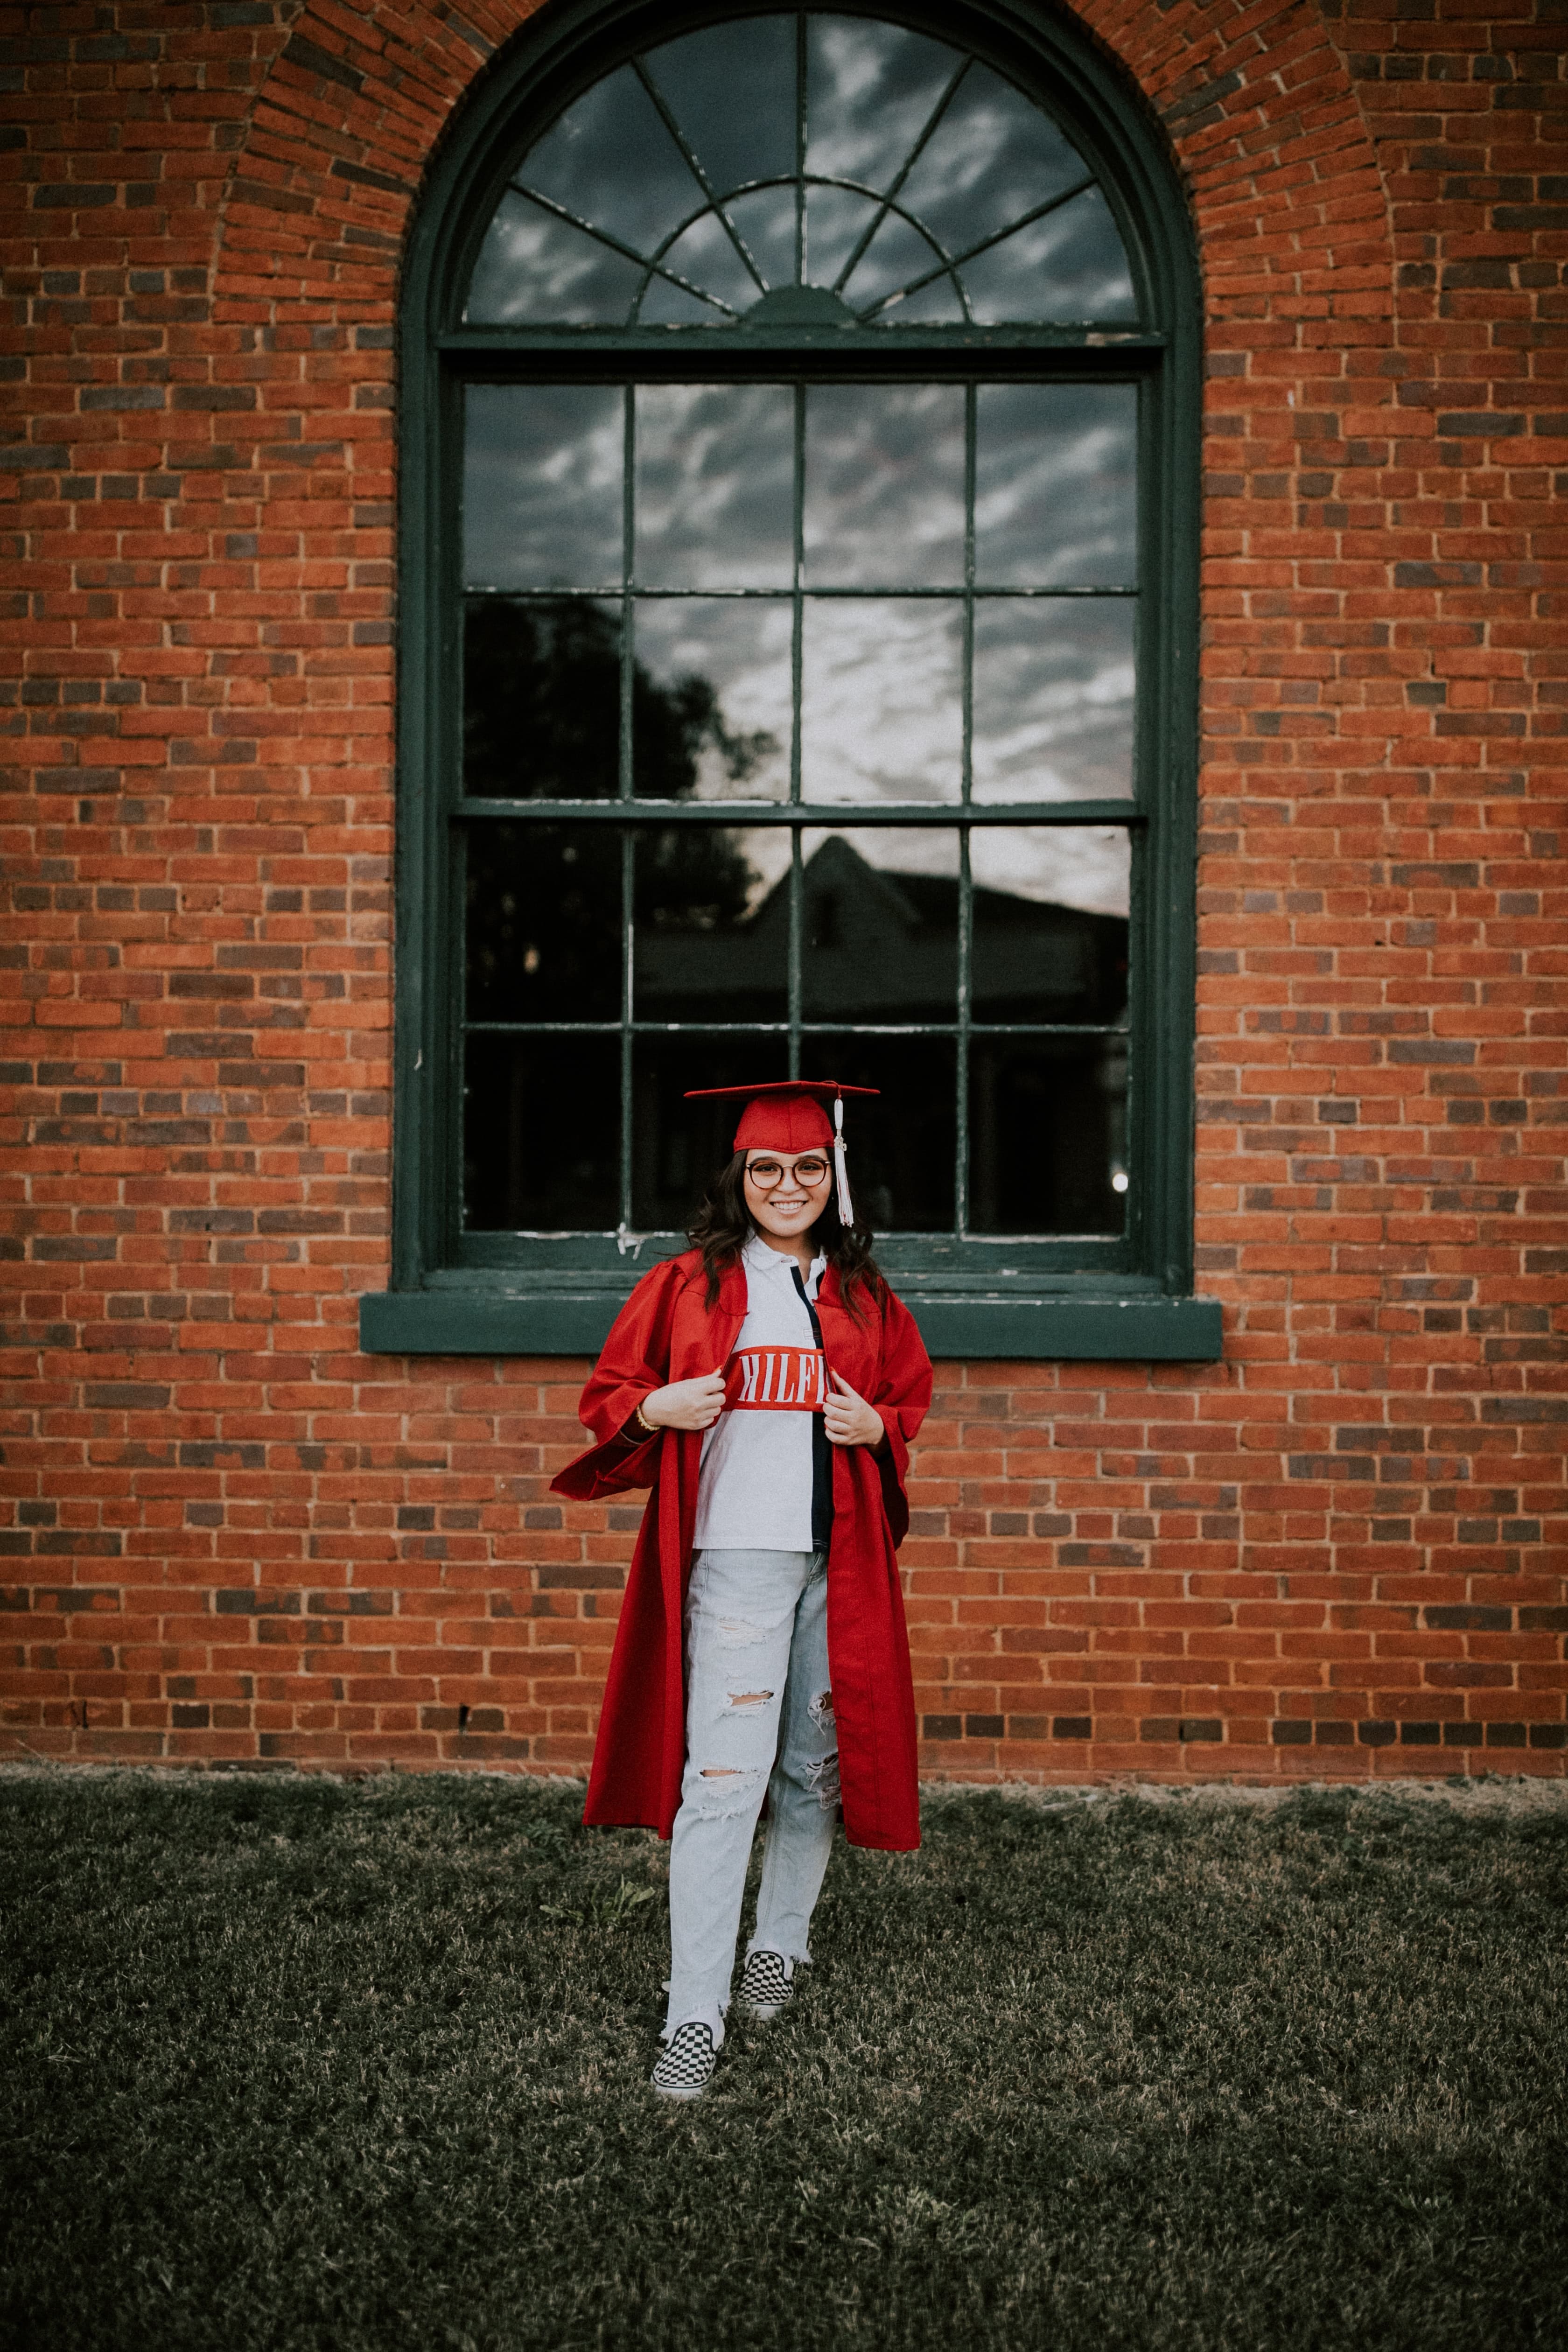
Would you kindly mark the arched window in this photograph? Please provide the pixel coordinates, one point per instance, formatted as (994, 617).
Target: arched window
(797, 669)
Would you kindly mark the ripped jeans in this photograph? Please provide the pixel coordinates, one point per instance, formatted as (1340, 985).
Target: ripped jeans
(759, 1718)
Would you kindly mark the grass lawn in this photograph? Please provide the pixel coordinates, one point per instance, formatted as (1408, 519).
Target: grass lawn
(294, 2062)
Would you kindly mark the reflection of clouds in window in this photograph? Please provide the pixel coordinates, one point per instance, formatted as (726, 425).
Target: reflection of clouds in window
(1053, 699)
(705, 255)
(880, 700)
(532, 267)
(611, 161)
(1054, 502)
(872, 90)
(542, 486)
(884, 485)
(962, 155)
(732, 89)
(765, 219)
(993, 157)
(836, 220)
(891, 849)
(714, 487)
(1087, 866)
(1083, 865)
(895, 257)
(1068, 265)
(742, 650)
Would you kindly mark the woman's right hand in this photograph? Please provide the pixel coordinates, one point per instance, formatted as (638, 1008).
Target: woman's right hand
(686, 1405)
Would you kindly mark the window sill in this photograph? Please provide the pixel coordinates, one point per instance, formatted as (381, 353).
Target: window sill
(572, 1320)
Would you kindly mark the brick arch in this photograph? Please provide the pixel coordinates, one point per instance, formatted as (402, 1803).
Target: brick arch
(1260, 111)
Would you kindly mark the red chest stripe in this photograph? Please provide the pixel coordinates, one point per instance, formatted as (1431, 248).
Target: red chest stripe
(775, 1379)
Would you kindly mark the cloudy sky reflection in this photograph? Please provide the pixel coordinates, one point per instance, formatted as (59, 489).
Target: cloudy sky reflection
(883, 510)
(872, 92)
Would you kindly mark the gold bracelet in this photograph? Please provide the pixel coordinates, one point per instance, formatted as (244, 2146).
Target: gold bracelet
(642, 1422)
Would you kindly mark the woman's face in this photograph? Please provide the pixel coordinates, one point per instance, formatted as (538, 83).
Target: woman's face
(788, 1192)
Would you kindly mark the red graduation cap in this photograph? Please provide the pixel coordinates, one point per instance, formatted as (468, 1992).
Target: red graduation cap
(791, 1115)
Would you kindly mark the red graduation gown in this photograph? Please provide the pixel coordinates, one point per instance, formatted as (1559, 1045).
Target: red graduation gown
(667, 1332)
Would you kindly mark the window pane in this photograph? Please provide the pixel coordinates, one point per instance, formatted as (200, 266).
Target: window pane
(711, 944)
(896, 256)
(715, 485)
(611, 161)
(542, 486)
(884, 486)
(1068, 265)
(1049, 941)
(1055, 486)
(542, 700)
(534, 266)
(880, 925)
(881, 709)
(764, 220)
(543, 922)
(1053, 698)
(873, 90)
(732, 89)
(901, 1148)
(704, 255)
(994, 157)
(712, 705)
(542, 1126)
(1047, 1135)
(678, 1146)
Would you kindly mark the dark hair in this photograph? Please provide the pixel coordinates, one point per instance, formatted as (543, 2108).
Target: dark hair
(723, 1225)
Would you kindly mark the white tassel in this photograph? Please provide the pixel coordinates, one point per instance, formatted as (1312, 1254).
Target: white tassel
(846, 1213)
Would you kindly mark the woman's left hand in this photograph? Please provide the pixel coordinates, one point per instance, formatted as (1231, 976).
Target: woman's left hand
(850, 1419)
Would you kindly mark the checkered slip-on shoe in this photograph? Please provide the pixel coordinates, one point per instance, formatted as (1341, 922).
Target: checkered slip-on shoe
(767, 1985)
(687, 2066)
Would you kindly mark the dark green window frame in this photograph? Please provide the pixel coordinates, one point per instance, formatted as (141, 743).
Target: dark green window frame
(493, 1293)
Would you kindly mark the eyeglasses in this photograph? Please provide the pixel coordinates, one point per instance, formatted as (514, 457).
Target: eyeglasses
(767, 1175)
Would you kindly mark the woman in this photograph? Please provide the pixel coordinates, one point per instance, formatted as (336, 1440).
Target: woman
(767, 1384)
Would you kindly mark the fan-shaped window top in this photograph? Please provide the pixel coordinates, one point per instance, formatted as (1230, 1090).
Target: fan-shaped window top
(796, 170)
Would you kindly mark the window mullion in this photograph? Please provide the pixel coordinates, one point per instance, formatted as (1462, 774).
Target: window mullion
(800, 139)
(798, 644)
(624, 780)
(628, 611)
(628, 881)
(966, 788)
(796, 947)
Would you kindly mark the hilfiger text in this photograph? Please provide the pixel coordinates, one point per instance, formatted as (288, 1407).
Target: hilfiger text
(775, 1379)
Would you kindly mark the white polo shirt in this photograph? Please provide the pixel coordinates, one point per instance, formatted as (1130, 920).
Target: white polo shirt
(754, 1493)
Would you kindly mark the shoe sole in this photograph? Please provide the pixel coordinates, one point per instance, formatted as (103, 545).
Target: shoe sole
(674, 2092)
(761, 2012)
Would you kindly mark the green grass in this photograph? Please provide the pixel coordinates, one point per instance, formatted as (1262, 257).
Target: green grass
(289, 2063)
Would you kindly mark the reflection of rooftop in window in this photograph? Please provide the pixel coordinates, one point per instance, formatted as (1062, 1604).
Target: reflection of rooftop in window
(882, 945)
(872, 177)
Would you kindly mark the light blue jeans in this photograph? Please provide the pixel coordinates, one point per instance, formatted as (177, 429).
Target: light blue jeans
(759, 1719)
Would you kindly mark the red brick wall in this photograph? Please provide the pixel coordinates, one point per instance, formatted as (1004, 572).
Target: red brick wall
(232, 1536)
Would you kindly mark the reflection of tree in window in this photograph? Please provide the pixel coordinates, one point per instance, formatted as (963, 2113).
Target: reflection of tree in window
(542, 709)
(544, 904)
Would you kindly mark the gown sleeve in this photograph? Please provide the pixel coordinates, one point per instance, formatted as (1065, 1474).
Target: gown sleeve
(902, 1397)
(632, 1362)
